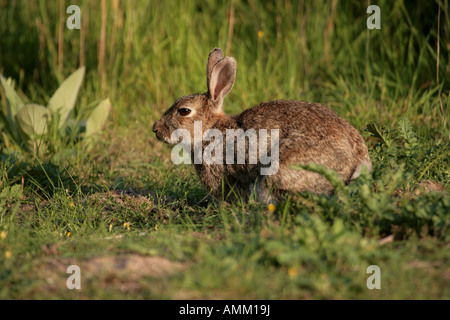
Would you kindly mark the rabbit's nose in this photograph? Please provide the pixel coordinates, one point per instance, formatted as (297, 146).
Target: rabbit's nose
(155, 126)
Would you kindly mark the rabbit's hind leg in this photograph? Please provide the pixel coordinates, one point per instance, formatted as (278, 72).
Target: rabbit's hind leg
(297, 180)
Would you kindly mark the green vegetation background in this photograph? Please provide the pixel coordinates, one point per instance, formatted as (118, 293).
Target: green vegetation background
(124, 200)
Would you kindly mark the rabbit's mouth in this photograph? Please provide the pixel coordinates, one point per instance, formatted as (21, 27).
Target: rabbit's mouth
(170, 136)
(160, 138)
(163, 139)
(159, 130)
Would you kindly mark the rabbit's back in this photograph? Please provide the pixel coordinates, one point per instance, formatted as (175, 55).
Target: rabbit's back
(290, 116)
(308, 133)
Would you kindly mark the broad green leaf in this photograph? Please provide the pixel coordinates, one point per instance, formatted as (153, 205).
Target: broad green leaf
(97, 119)
(63, 100)
(13, 101)
(33, 119)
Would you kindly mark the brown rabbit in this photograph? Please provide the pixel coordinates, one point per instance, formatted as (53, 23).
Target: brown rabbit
(298, 132)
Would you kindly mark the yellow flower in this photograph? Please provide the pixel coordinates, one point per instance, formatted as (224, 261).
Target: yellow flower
(260, 34)
(68, 234)
(110, 227)
(271, 207)
(7, 254)
(126, 225)
(292, 272)
(156, 228)
(2, 235)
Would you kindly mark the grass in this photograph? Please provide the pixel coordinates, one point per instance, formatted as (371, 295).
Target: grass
(141, 228)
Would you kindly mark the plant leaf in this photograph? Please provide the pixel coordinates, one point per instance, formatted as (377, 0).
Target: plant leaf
(63, 100)
(33, 119)
(378, 131)
(13, 101)
(97, 119)
(10, 129)
(406, 130)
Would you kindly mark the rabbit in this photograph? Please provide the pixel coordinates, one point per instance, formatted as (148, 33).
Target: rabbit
(307, 133)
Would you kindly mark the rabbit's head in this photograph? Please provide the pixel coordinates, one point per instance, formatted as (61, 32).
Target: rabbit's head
(207, 107)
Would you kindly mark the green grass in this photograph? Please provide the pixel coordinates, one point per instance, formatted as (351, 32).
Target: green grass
(123, 207)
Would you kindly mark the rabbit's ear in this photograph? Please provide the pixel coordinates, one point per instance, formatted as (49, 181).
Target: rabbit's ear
(214, 56)
(222, 79)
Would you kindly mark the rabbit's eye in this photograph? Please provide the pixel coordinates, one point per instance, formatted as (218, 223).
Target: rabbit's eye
(184, 111)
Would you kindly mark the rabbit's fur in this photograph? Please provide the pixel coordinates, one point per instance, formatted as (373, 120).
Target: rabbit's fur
(308, 133)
